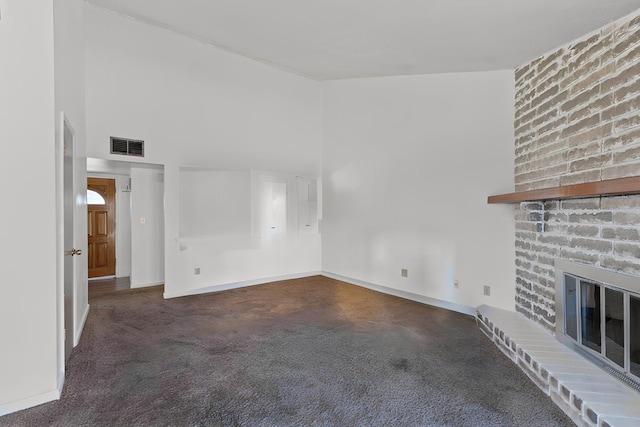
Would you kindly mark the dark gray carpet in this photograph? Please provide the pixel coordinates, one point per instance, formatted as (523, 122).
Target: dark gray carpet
(309, 352)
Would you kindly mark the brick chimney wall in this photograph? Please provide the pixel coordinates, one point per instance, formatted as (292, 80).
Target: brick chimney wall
(577, 119)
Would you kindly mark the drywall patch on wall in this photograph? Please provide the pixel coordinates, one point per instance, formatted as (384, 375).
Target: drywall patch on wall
(577, 120)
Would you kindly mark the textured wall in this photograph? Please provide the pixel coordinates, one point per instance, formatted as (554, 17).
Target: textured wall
(577, 120)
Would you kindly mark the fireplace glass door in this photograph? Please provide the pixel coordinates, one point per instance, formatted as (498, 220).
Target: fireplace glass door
(590, 311)
(614, 325)
(605, 321)
(634, 335)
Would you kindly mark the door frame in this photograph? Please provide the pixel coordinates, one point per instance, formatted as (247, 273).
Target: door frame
(113, 198)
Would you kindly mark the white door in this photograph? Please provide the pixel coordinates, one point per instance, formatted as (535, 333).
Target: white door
(69, 251)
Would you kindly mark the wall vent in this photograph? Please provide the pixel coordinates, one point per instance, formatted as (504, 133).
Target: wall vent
(127, 147)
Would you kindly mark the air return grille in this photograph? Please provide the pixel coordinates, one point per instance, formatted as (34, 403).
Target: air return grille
(127, 147)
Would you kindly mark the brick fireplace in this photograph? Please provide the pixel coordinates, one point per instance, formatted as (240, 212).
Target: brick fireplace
(577, 125)
(577, 119)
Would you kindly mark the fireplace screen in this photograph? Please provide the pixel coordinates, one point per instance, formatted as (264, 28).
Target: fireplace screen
(599, 313)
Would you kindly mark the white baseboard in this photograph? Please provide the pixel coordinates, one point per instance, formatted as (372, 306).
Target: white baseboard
(60, 383)
(28, 402)
(78, 331)
(471, 311)
(146, 285)
(236, 285)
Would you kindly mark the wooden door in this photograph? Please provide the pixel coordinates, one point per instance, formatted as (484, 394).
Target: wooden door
(101, 222)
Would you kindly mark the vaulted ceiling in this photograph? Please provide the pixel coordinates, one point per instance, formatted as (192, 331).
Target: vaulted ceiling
(336, 39)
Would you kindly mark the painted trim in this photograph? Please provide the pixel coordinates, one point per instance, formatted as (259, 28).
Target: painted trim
(113, 276)
(61, 125)
(471, 311)
(28, 402)
(60, 383)
(146, 285)
(236, 285)
(80, 328)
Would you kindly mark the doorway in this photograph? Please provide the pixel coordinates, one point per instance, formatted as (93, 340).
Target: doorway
(139, 228)
(101, 223)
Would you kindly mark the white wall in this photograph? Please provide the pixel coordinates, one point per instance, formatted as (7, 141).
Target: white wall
(28, 323)
(147, 227)
(214, 204)
(197, 106)
(408, 163)
(69, 62)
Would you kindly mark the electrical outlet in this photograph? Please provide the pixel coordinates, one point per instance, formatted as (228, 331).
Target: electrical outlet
(487, 290)
(456, 284)
(404, 272)
(196, 270)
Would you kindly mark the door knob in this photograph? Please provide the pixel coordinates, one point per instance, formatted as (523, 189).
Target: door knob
(76, 252)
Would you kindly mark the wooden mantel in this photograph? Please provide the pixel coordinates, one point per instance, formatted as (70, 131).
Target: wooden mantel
(609, 187)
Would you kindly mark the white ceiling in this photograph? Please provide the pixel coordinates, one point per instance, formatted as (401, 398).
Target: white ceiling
(336, 39)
